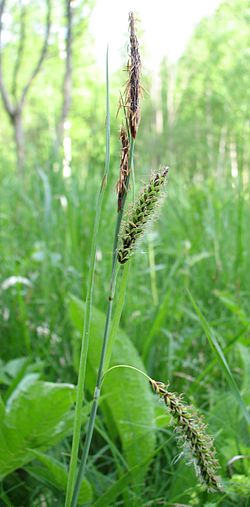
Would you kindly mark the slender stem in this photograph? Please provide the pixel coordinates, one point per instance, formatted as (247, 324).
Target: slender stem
(151, 258)
(120, 298)
(126, 366)
(86, 328)
(91, 425)
(92, 418)
(133, 170)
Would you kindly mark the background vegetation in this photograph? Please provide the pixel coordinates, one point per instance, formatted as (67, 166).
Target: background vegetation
(198, 124)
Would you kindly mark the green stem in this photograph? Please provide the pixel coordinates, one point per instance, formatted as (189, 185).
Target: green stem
(96, 397)
(126, 366)
(117, 314)
(91, 425)
(133, 169)
(86, 328)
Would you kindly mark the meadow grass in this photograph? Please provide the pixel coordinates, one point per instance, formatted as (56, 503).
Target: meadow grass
(184, 307)
(195, 247)
(180, 313)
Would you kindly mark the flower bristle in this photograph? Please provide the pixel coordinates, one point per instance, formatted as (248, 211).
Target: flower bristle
(140, 215)
(193, 434)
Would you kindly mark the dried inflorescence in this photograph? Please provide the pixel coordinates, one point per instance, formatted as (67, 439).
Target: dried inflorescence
(140, 215)
(192, 431)
(133, 87)
(121, 186)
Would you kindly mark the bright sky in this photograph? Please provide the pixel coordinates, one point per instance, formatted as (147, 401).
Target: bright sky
(167, 26)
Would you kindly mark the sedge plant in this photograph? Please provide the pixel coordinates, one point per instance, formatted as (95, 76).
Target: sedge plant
(131, 105)
(127, 234)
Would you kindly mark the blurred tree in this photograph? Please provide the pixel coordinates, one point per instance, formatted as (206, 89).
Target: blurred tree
(197, 110)
(14, 106)
(212, 95)
(67, 80)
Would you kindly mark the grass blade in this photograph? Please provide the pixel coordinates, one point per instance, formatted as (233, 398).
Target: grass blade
(87, 319)
(220, 359)
(117, 316)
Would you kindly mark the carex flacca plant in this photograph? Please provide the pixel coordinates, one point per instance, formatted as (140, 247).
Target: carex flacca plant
(130, 227)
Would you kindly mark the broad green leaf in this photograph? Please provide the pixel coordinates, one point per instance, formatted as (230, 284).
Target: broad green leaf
(36, 416)
(161, 313)
(15, 366)
(13, 369)
(221, 359)
(127, 395)
(55, 473)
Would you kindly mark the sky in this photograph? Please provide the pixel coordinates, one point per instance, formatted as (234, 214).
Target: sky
(167, 26)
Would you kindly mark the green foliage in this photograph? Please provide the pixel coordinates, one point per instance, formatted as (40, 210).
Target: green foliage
(239, 487)
(127, 401)
(119, 486)
(221, 360)
(197, 123)
(35, 416)
(53, 473)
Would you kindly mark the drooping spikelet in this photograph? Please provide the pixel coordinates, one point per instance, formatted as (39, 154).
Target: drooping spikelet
(141, 212)
(133, 86)
(121, 186)
(193, 434)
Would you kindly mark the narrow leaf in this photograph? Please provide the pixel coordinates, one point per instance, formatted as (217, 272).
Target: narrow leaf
(220, 359)
(127, 402)
(56, 474)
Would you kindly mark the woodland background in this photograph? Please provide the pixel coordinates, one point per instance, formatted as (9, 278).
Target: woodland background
(195, 119)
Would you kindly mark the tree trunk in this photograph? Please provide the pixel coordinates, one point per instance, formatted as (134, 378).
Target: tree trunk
(67, 81)
(15, 109)
(17, 122)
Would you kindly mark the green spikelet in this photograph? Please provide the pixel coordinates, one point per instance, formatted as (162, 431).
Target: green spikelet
(140, 215)
(192, 432)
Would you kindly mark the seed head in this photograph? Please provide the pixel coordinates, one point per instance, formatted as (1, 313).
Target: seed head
(133, 87)
(140, 215)
(121, 186)
(192, 432)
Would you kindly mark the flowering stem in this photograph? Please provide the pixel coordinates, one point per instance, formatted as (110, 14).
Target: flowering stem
(115, 269)
(96, 397)
(87, 318)
(130, 368)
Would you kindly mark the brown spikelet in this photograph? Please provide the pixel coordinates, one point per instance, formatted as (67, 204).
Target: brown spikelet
(121, 186)
(192, 432)
(133, 86)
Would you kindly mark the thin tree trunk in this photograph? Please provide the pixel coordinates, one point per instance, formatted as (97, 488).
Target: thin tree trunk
(209, 129)
(67, 82)
(19, 139)
(222, 153)
(14, 108)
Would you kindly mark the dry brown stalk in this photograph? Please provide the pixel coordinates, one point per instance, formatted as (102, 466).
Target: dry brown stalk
(121, 186)
(133, 88)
